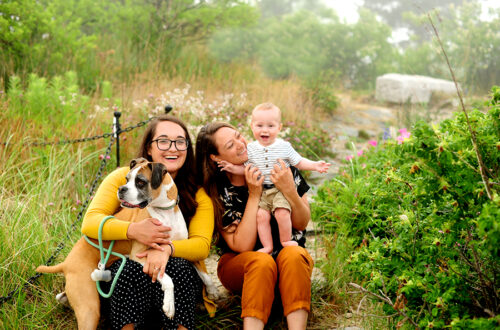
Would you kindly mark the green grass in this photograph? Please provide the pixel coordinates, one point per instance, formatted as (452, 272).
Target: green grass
(40, 200)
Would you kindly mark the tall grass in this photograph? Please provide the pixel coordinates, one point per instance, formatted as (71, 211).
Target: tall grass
(40, 198)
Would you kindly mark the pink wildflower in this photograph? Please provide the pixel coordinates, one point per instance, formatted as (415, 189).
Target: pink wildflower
(404, 134)
(348, 158)
(363, 166)
(78, 202)
(373, 143)
(108, 157)
(50, 204)
(101, 156)
(360, 152)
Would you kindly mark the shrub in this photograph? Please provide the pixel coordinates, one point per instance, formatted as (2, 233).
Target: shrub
(422, 229)
(57, 102)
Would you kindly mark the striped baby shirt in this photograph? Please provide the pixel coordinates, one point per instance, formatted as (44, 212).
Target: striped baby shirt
(264, 157)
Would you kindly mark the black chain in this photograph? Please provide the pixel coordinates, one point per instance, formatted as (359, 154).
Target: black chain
(168, 108)
(142, 123)
(86, 139)
(47, 143)
(62, 244)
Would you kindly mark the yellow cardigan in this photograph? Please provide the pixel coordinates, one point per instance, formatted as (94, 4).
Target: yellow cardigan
(105, 202)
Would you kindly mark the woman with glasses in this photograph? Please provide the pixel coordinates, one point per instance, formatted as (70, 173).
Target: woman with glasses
(137, 298)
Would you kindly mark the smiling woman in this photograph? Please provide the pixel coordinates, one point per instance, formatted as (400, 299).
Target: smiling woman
(138, 297)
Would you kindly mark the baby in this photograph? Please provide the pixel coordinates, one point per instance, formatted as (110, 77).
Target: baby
(264, 153)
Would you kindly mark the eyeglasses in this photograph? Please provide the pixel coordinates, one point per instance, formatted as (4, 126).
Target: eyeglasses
(165, 144)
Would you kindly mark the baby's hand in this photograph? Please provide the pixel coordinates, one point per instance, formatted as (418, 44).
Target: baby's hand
(231, 168)
(322, 166)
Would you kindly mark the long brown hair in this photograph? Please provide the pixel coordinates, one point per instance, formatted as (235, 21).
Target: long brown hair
(185, 179)
(207, 171)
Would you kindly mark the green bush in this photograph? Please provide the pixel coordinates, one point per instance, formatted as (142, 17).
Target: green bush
(422, 229)
(57, 103)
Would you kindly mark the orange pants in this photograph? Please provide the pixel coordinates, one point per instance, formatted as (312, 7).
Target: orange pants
(254, 274)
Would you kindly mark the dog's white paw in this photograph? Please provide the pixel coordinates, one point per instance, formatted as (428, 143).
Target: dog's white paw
(212, 292)
(168, 307)
(168, 296)
(62, 298)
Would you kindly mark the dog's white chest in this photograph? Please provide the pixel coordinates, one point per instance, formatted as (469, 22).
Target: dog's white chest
(172, 219)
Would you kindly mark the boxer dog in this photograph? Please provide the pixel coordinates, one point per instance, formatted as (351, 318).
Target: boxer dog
(150, 192)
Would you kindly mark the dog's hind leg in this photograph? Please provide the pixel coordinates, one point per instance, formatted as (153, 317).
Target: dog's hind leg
(212, 291)
(168, 298)
(84, 298)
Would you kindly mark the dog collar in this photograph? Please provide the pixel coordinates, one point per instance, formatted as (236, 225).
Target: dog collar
(168, 207)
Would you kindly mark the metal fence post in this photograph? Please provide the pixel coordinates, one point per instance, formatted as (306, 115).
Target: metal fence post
(116, 132)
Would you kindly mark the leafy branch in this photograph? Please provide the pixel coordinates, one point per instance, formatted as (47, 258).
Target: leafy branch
(482, 167)
(383, 297)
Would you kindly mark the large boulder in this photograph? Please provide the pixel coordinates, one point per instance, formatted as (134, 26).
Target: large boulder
(401, 88)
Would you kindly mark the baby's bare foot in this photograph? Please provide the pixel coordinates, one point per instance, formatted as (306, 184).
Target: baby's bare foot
(267, 250)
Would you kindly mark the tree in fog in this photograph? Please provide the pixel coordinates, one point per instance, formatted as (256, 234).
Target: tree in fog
(393, 11)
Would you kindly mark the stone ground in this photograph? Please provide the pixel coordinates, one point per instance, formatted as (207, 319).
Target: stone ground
(351, 122)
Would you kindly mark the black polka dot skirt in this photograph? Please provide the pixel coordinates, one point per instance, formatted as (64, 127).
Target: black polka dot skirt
(137, 300)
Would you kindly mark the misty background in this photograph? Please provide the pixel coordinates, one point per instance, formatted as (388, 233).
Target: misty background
(308, 41)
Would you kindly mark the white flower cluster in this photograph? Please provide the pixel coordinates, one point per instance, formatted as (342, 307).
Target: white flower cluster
(193, 104)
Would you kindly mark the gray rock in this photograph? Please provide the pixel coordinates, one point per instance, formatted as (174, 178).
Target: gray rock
(399, 88)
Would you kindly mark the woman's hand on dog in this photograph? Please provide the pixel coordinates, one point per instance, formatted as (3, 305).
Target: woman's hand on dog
(155, 264)
(150, 232)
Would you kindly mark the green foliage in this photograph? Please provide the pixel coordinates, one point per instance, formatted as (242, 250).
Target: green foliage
(57, 102)
(106, 39)
(393, 12)
(305, 44)
(310, 141)
(422, 230)
(42, 36)
(470, 42)
(321, 91)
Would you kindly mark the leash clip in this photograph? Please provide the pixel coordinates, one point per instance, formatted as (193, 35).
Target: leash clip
(101, 274)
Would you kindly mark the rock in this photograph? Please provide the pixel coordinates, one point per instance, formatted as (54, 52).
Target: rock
(399, 88)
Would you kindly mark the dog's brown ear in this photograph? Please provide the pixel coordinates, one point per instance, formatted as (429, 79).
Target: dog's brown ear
(136, 161)
(158, 171)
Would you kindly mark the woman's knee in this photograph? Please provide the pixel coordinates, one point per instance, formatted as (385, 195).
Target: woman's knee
(294, 256)
(262, 263)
